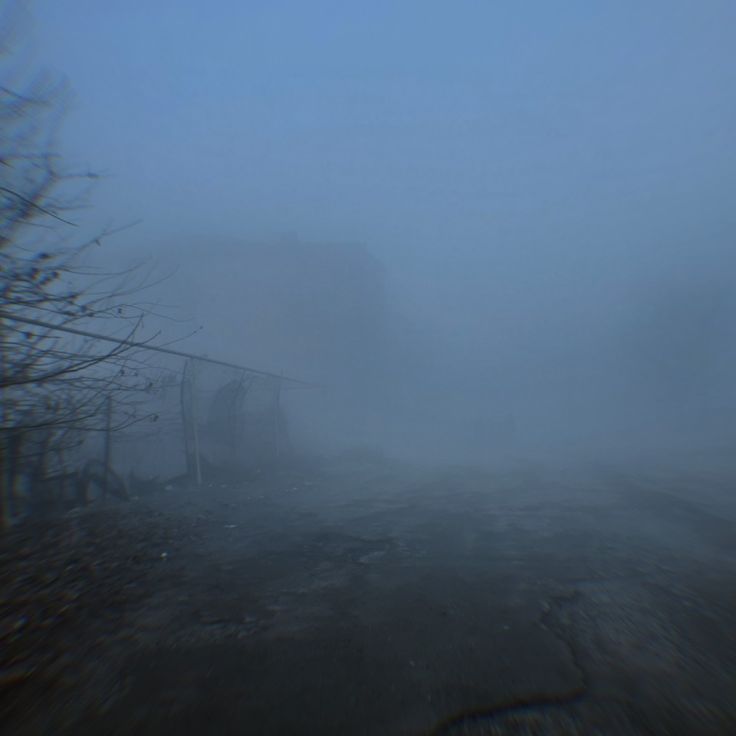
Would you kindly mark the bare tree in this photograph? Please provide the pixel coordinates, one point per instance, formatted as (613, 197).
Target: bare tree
(55, 385)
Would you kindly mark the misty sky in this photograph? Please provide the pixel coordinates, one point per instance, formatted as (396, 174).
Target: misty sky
(530, 173)
(439, 129)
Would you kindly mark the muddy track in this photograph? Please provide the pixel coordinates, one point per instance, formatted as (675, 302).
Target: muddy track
(533, 706)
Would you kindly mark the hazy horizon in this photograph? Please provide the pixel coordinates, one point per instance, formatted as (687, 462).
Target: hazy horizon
(548, 189)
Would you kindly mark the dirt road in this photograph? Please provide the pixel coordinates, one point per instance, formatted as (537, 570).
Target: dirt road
(364, 597)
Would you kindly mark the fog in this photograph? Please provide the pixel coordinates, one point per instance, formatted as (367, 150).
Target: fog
(367, 367)
(485, 229)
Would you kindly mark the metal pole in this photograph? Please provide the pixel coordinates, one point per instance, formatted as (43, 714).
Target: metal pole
(146, 346)
(108, 445)
(195, 430)
(277, 418)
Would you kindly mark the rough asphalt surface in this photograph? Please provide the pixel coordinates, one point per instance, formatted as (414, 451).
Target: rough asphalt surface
(366, 597)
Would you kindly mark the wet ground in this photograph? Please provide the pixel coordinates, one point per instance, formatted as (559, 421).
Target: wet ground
(367, 597)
